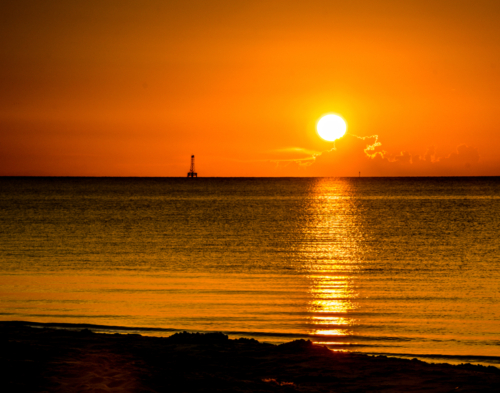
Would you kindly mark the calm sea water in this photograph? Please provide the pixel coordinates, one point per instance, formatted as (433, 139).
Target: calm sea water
(380, 265)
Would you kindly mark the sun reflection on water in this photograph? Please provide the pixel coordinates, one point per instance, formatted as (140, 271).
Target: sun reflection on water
(332, 301)
(332, 245)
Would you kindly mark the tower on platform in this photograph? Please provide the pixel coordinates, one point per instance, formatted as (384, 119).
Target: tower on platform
(191, 172)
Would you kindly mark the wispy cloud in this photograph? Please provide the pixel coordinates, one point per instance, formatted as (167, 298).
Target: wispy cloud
(370, 148)
(299, 150)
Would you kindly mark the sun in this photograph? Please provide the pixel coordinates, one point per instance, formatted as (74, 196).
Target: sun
(331, 127)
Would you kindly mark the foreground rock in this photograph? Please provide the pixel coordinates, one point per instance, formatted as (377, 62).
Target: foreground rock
(49, 360)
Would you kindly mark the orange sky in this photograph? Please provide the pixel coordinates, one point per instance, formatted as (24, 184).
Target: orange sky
(133, 88)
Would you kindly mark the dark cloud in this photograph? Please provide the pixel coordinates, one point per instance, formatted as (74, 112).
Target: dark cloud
(352, 154)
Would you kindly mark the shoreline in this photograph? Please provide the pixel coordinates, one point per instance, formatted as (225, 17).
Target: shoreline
(47, 358)
(482, 360)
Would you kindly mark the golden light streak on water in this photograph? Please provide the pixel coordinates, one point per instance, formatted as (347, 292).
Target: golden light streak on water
(332, 295)
(332, 299)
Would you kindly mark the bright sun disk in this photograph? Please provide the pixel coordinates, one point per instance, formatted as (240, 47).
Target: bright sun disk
(331, 127)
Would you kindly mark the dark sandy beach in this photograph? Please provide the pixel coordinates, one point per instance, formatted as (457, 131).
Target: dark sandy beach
(60, 360)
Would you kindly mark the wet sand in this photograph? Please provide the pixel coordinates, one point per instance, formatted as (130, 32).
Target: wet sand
(59, 360)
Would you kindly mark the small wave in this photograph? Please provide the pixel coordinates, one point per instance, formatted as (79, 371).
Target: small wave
(277, 335)
(101, 328)
(452, 359)
(355, 337)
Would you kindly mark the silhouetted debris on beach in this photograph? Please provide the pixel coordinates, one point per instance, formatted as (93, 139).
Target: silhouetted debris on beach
(61, 360)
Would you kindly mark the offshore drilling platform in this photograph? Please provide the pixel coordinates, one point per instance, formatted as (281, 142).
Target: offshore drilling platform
(191, 172)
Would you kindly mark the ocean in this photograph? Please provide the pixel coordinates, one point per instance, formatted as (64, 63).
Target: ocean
(397, 266)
